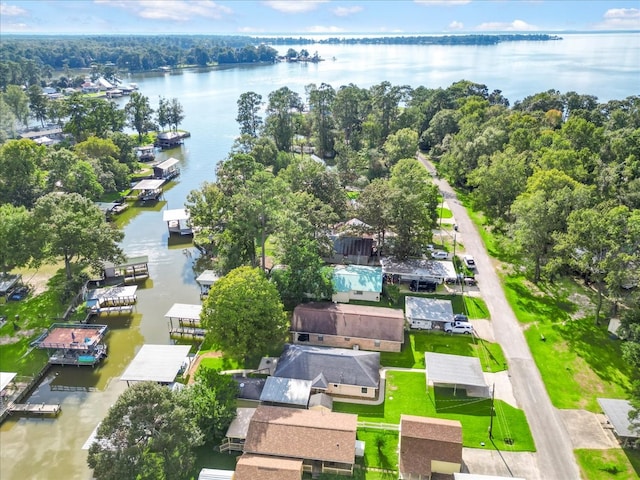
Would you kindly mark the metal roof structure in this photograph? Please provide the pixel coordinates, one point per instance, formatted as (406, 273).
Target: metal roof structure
(156, 363)
(208, 277)
(240, 425)
(418, 269)
(215, 474)
(5, 379)
(167, 164)
(184, 311)
(175, 214)
(291, 391)
(455, 370)
(432, 309)
(357, 277)
(112, 293)
(617, 411)
(148, 184)
(325, 365)
(475, 476)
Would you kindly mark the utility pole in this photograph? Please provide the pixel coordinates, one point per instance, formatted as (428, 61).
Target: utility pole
(493, 396)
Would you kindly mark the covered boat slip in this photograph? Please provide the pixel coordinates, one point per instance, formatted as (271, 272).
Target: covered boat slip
(206, 279)
(177, 221)
(184, 320)
(73, 344)
(132, 270)
(112, 300)
(167, 170)
(157, 363)
(148, 190)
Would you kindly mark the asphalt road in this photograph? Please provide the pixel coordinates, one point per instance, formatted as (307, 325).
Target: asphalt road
(554, 451)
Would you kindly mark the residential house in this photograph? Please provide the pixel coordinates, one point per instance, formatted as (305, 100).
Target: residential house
(418, 269)
(324, 441)
(348, 326)
(346, 249)
(356, 282)
(335, 371)
(428, 446)
(427, 313)
(264, 467)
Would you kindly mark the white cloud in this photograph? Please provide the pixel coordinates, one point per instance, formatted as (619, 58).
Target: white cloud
(346, 11)
(323, 29)
(455, 25)
(515, 26)
(11, 10)
(619, 19)
(294, 6)
(447, 3)
(174, 10)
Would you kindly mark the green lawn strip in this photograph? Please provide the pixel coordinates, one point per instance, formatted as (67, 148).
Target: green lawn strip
(444, 213)
(208, 457)
(406, 393)
(417, 343)
(220, 363)
(381, 448)
(611, 464)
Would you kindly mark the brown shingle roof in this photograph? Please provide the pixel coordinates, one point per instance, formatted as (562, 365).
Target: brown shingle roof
(425, 439)
(347, 320)
(263, 467)
(304, 434)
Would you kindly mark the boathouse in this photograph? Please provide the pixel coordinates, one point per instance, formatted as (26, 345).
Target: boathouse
(184, 320)
(146, 153)
(167, 140)
(148, 190)
(177, 221)
(73, 343)
(157, 363)
(206, 279)
(167, 170)
(120, 299)
(132, 270)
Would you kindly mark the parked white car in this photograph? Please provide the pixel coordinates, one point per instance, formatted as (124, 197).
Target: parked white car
(469, 262)
(458, 327)
(439, 254)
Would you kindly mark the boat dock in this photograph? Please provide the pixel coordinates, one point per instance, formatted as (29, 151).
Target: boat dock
(34, 409)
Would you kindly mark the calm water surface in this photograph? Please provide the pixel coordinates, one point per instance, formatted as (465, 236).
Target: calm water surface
(604, 65)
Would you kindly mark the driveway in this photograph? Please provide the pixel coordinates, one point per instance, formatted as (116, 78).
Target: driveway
(554, 456)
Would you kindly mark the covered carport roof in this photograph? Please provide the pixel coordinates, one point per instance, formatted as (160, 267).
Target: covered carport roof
(445, 369)
(617, 411)
(434, 309)
(156, 363)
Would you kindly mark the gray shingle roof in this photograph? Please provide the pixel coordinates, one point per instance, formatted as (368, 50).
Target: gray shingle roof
(337, 365)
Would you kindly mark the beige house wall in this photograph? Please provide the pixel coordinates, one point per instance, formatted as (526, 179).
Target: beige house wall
(351, 391)
(349, 342)
(438, 466)
(346, 297)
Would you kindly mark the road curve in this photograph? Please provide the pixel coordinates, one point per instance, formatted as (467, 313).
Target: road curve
(554, 450)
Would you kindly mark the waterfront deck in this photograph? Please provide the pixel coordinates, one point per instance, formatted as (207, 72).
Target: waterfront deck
(34, 409)
(131, 271)
(177, 221)
(190, 332)
(73, 343)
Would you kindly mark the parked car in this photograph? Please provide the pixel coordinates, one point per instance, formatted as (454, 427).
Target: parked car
(458, 327)
(439, 254)
(19, 293)
(422, 286)
(470, 281)
(469, 262)
(460, 317)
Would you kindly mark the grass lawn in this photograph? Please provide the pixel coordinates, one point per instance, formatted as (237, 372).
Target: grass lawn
(381, 448)
(406, 392)
(220, 363)
(611, 464)
(473, 307)
(578, 360)
(444, 213)
(417, 343)
(207, 457)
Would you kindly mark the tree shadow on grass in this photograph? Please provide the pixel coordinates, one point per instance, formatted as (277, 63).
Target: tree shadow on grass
(446, 402)
(543, 307)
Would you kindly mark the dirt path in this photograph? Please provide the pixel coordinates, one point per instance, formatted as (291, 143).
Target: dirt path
(196, 363)
(555, 457)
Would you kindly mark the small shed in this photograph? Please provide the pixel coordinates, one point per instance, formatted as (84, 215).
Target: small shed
(617, 413)
(167, 170)
(291, 392)
(149, 189)
(157, 363)
(456, 371)
(206, 279)
(427, 313)
(177, 221)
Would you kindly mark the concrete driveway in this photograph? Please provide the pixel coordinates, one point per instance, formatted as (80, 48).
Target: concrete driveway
(554, 459)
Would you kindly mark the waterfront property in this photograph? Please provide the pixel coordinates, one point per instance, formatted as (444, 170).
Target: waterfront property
(145, 153)
(157, 363)
(132, 270)
(111, 208)
(348, 326)
(184, 320)
(237, 432)
(166, 140)
(118, 299)
(73, 344)
(335, 371)
(427, 313)
(325, 442)
(177, 221)
(148, 190)
(205, 280)
(356, 282)
(167, 170)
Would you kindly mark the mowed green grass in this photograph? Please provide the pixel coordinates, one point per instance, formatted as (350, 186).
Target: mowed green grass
(611, 464)
(406, 393)
(381, 448)
(417, 343)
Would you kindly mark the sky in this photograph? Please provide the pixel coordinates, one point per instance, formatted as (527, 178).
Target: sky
(300, 17)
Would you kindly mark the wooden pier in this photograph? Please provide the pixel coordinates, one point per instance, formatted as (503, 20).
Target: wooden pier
(34, 409)
(187, 332)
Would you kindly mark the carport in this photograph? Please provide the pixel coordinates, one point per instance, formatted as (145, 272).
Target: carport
(617, 413)
(456, 371)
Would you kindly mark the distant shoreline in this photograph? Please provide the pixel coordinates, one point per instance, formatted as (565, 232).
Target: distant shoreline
(464, 39)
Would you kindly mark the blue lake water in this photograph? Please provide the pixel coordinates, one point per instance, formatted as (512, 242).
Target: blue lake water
(606, 65)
